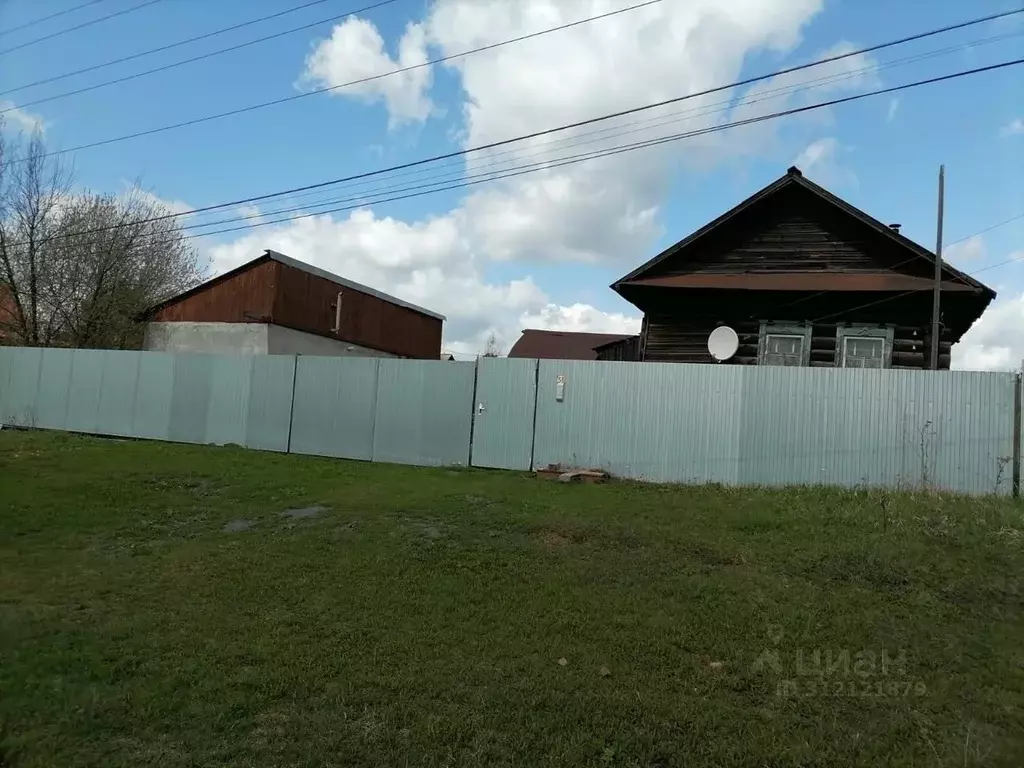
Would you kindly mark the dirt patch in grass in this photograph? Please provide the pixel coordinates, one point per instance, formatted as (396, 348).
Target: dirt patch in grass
(709, 554)
(237, 526)
(560, 536)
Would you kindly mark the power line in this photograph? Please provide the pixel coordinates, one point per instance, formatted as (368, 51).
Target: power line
(918, 290)
(83, 25)
(505, 142)
(987, 229)
(192, 59)
(162, 48)
(639, 145)
(41, 19)
(748, 81)
(914, 258)
(587, 156)
(616, 131)
(593, 136)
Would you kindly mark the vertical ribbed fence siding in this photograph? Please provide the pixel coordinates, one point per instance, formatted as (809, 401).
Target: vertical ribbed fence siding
(115, 411)
(240, 400)
(898, 429)
(334, 406)
(269, 419)
(19, 385)
(650, 421)
(503, 424)
(154, 395)
(659, 422)
(779, 426)
(51, 401)
(424, 411)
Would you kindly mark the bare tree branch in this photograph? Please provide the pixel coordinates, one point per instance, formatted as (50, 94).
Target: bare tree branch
(89, 290)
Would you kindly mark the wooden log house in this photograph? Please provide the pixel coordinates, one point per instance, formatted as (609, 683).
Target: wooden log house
(805, 279)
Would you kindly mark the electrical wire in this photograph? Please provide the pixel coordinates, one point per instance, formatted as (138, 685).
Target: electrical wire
(914, 258)
(535, 134)
(432, 62)
(930, 288)
(655, 122)
(41, 19)
(587, 156)
(160, 49)
(83, 25)
(193, 59)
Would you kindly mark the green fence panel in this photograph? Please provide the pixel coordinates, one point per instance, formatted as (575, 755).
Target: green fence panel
(86, 387)
(424, 412)
(54, 389)
(154, 394)
(270, 402)
(333, 410)
(116, 411)
(21, 386)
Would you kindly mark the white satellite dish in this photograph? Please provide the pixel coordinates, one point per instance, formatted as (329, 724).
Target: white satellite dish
(723, 343)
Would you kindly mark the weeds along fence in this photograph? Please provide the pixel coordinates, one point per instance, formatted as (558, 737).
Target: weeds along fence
(737, 425)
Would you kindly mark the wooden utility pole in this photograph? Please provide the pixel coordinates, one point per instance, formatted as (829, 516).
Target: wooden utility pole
(938, 272)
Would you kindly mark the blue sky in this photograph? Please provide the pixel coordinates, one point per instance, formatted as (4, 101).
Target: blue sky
(496, 260)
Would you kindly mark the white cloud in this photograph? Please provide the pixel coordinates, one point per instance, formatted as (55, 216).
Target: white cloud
(580, 318)
(817, 153)
(803, 88)
(252, 213)
(425, 262)
(996, 340)
(970, 250)
(355, 50)
(20, 119)
(606, 210)
(171, 206)
(820, 160)
(1013, 128)
(894, 105)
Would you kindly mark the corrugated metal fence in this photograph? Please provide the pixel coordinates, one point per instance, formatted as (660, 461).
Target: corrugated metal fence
(660, 422)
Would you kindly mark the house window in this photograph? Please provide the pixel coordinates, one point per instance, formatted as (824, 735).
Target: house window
(864, 347)
(783, 350)
(784, 345)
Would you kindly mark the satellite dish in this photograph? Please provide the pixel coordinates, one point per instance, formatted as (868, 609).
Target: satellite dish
(723, 343)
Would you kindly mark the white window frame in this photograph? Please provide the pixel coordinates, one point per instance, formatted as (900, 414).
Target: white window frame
(802, 332)
(843, 332)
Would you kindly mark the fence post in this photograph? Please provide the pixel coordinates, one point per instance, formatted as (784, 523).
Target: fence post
(291, 408)
(536, 395)
(472, 409)
(1016, 432)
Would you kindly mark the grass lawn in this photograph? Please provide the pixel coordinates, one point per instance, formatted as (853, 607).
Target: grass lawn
(433, 617)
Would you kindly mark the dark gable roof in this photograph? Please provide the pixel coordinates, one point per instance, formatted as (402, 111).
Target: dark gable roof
(562, 345)
(795, 177)
(295, 264)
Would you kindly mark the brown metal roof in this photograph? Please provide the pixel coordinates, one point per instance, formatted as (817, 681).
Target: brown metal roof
(802, 281)
(562, 345)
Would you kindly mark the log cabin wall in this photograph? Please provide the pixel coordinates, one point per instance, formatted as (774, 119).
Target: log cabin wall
(624, 350)
(672, 335)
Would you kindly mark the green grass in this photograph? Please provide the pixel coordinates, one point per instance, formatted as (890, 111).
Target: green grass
(421, 620)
